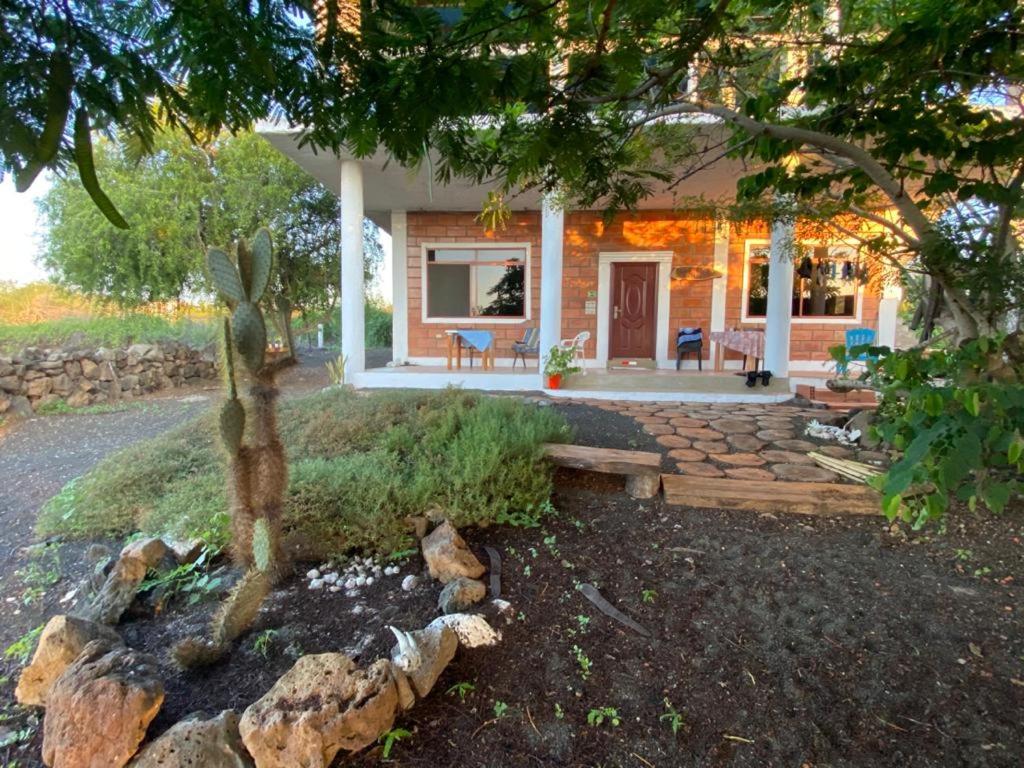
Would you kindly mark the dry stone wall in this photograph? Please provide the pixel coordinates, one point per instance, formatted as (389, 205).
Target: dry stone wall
(35, 377)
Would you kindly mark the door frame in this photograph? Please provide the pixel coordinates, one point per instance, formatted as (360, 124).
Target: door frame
(662, 295)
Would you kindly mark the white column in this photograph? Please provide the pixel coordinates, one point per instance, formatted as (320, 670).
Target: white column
(399, 288)
(888, 315)
(353, 319)
(718, 285)
(552, 225)
(780, 299)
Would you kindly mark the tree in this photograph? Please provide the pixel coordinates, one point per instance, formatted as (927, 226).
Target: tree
(183, 197)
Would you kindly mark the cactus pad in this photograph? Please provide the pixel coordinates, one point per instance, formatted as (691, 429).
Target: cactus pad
(232, 425)
(225, 276)
(261, 553)
(262, 262)
(250, 334)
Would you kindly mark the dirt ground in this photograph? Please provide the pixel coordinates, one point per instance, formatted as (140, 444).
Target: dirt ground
(776, 640)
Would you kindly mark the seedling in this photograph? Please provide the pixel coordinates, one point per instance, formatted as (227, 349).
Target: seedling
(583, 660)
(461, 689)
(584, 621)
(672, 717)
(389, 739)
(559, 712)
(500, 708)
(262, 642)
(596, 717)
(648, 595)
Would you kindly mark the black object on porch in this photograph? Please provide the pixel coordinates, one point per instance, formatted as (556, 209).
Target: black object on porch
(689, 340)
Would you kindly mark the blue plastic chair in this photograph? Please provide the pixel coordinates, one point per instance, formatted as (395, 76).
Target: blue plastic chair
(857, 337)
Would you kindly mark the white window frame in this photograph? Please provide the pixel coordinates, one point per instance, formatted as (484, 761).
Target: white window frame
(745, 318)
(480, 319)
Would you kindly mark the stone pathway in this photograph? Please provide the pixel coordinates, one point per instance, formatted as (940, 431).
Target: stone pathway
(739, 440)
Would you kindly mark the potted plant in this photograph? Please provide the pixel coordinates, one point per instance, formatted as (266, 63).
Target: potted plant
(558, 365)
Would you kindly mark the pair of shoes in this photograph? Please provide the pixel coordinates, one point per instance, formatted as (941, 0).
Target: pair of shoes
(753, 376)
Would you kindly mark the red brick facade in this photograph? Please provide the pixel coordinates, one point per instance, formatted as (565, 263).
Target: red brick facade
(690, 238)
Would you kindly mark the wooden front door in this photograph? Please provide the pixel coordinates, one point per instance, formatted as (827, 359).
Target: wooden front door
(633, 320)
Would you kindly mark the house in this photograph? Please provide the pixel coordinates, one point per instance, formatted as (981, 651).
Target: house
(630, 283)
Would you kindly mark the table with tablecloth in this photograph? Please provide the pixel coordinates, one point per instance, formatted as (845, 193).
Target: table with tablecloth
(747, 343)
(482, 341)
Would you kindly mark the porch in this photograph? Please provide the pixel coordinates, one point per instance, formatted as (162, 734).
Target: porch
(599, 384)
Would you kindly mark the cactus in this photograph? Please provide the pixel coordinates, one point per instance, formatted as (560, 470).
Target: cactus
(257, 469)
(233, 618)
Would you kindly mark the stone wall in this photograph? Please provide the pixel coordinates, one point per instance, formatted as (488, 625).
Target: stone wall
(36, 377)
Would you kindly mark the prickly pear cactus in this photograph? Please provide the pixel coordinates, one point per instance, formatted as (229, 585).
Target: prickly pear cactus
(261, 548)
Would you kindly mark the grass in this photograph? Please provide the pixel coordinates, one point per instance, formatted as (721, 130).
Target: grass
(358, 465)
(107, 331)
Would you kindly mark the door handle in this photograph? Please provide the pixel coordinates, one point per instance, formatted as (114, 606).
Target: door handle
(615, 313)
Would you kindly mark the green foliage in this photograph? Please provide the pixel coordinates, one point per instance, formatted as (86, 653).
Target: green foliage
(111, 331)
(596, 717)
(648, 595)
(500, 709)
(583, 661)
(672, 717)
(336, 370)
(262, 642)
(20, 650)
(956, 416)
(559, 361)
(358, 464)
(461, 690)
(390, 738)
(378, 323)
(191, 581)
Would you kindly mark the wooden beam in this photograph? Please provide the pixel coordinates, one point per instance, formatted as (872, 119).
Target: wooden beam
(610, 460)
(823, 499)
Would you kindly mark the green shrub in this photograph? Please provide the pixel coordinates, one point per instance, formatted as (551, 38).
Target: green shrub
(958, 417)
(378, 324)
(358, 465)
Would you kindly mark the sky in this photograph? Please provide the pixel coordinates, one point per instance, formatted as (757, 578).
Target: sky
(19, 231)
(20, 238)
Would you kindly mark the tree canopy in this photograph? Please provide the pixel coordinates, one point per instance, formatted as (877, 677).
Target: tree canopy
(183, 198)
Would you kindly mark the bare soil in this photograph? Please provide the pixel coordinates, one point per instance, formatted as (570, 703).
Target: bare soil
(779, 640)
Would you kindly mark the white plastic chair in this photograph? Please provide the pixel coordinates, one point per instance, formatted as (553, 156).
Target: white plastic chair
(577, 344)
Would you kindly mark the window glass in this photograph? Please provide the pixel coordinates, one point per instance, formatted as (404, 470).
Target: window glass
(475, 282)
(825, 282)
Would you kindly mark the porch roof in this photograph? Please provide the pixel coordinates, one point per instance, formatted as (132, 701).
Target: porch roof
(388, 186)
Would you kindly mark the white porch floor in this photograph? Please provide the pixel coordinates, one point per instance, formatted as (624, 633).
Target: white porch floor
(649, 385)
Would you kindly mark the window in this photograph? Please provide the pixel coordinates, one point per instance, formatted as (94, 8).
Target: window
(476, 282)
(825, 282)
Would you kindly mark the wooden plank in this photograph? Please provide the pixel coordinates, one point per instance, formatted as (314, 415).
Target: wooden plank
(778, 496)
(610, 460)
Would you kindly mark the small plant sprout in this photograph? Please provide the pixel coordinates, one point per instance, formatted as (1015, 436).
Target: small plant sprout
(527, 570)
(584, 621)
(521, 616)
(263, 641)
(500, 708)
(559, 712)
(648, 595)
(672, 717)
(596, 717)
(583, 660)
(390, 738)
(461, 690)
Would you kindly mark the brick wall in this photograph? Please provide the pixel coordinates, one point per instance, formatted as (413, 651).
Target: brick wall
(690, 237)
(428, 339)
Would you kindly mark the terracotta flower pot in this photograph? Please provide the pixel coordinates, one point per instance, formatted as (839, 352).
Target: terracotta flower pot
(555, 381)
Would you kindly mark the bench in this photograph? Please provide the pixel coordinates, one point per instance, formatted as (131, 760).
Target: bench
(824, 499)
(641, 468)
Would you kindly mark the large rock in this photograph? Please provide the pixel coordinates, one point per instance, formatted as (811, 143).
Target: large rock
(196, 742)
(149, 550)
(434, 648)
(322, 705)
(60, 643)
(460, 594)
(447, 555)
(98, 710)
(472, 629)
(90, 369)
(118, 591)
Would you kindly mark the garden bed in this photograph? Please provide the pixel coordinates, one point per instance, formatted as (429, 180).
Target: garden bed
(776, 641)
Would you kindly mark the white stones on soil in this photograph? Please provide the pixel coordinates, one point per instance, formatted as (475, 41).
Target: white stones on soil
(350, 576)
(410, 582)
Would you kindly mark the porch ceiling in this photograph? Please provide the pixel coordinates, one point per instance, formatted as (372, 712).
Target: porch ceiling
(388, 186)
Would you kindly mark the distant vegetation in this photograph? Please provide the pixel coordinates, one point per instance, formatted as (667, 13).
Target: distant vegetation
(357, 466)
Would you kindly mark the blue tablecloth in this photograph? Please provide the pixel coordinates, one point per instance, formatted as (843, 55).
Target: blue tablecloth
(478, 340)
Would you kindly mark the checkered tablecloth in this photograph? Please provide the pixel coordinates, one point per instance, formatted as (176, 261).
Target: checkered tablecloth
(749, 343)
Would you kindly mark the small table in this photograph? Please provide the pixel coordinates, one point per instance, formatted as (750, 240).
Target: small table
(479, 340)
(748, 343)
